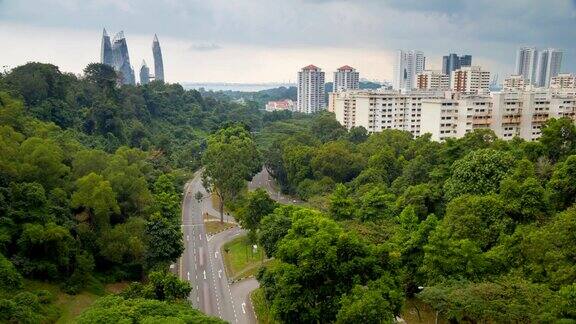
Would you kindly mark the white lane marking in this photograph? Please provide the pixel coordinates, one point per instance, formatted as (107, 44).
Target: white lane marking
(206, 237)
(188, 238)
(216, 255)
(243, 309)
(188, 275)
(236, 234)
(220, 273)
(200, 237)
(204, 274)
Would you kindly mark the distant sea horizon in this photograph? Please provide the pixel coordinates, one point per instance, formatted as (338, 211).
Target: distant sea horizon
(232, 86)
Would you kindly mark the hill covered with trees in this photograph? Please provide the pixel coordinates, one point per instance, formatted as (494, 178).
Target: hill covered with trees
(91, 177)
(478, 228)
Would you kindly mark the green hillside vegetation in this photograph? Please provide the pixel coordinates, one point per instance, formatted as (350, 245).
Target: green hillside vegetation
(480, 229)
(91, 177)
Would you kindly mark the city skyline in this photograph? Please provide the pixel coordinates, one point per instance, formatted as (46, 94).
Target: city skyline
(250, 41)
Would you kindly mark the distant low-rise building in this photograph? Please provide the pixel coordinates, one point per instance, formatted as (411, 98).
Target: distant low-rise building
(279, 105)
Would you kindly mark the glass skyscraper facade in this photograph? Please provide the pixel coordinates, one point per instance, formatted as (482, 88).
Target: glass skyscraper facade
(158, 63)
(106, 50)
(144, 73)
(121, 59)
(453, 62)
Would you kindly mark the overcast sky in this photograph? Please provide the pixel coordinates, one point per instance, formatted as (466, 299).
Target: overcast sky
(269, 40)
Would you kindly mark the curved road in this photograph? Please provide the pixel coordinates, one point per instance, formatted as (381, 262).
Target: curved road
(201, 263)
(265, 181)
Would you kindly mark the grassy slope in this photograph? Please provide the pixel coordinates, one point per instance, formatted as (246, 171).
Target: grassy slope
(261, 307)
(241, 257)
(70, 306)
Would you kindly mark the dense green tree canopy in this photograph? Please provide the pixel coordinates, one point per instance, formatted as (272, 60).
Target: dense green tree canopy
(479, 172)
(468, 220)
(257, 205)
(120, 310)
(230, 160)
(319, 263)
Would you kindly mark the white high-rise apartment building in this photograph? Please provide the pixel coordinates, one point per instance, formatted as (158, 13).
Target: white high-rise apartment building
(563, 81)
(453, 118)
(526, 63)
(407, 66)
(432, 80)
(446, 115)
(523, 113)
(549, 63)
(380, 109)
(346, 78)
(514, 82)
(507, 113)
(470, 79)
(310, 90)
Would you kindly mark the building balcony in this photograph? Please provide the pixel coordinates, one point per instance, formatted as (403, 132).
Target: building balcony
(539, 119)
(511, 120)
(486, 121)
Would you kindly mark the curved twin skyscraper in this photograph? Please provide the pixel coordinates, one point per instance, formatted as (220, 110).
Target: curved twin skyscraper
(115, 54)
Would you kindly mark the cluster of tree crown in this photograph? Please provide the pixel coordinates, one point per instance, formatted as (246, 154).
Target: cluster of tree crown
(478, 228)
(91, 178)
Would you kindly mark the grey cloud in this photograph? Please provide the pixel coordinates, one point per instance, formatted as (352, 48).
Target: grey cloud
(202, 47)
(490, 28)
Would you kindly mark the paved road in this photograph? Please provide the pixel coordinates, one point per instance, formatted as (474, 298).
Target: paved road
(240, 291)
(201, 263)
(265, 181)
(241, 294)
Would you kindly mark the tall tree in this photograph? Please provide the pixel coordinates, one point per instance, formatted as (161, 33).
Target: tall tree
(230, 160)
(559, 138)
(165, 241)
(258, 204)
(479, 172)
(96, 196)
